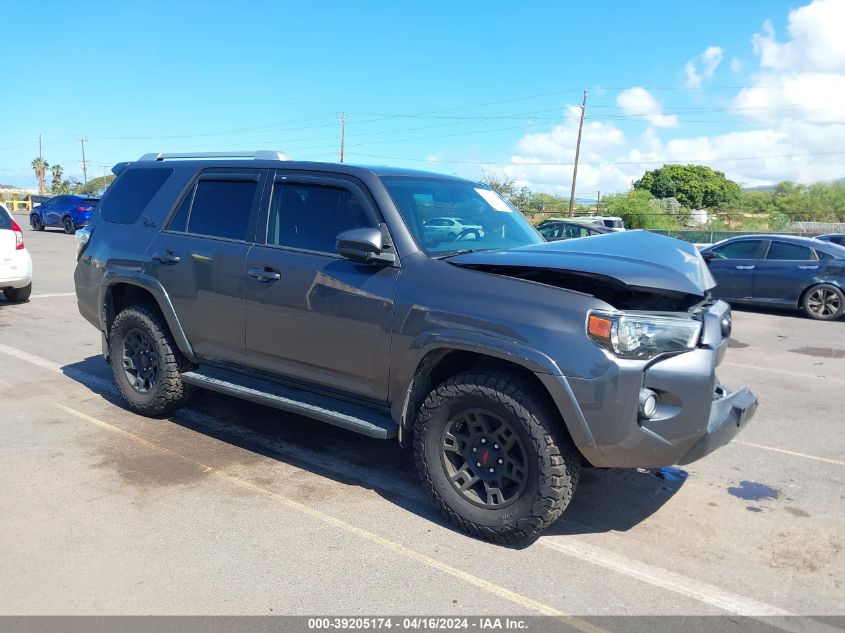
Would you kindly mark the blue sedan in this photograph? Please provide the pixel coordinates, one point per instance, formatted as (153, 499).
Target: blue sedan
(66, 211)
(779, 270)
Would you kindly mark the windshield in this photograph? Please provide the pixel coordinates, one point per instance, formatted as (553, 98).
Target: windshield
(448, 216)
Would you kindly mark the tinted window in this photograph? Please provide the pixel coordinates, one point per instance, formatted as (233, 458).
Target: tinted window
(222, 208)
(5, 220)
(784, 250)
(179, 222)
(738, 250)
(550, 230)
(311, 216)
(131, 193)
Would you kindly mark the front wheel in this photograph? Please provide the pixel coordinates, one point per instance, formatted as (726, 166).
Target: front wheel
(36, 223)
(69, 226)
(146, 363)
(824, 302)
(493, 456)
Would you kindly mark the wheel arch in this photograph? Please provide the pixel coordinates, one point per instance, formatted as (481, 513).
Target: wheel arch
(815, 284)
(122, 289)
(440, 363)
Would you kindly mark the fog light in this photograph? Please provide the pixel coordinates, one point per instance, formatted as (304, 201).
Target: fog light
(648, 403)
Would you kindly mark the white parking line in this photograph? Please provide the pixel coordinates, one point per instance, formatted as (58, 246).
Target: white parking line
(827, 460)
(663, 578)
(53, 294)
(656, 576)
(786, 373)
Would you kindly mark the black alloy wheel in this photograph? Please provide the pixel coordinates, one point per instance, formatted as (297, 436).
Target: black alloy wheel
(483, 458)
(140, 360)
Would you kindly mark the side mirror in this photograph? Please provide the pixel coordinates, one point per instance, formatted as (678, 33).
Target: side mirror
(708, 256)
(364, 245)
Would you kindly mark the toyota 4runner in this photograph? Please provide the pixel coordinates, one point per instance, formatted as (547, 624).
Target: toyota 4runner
(505, 361)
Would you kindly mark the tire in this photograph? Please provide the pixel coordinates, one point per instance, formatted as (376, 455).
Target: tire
(36, 223)
(69, 226)
(824, 302)
(140, 341)
(450, 237)
(481, 399)
(18, 295)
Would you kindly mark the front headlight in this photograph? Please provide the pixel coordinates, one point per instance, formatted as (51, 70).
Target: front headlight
(642, 336)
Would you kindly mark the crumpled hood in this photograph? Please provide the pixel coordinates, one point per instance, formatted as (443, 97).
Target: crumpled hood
(640, 259)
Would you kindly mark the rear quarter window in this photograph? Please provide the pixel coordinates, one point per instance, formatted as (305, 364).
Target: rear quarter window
(5, 219)
(131, 193)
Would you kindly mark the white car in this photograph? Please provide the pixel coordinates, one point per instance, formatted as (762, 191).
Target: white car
(15, 262)
(450, 229)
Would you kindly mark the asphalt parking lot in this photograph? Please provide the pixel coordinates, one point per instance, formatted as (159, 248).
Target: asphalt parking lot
(232, 508)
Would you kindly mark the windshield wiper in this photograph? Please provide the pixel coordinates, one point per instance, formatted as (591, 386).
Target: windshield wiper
(462, 251)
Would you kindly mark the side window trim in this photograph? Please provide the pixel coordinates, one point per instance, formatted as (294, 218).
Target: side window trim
(256, 176)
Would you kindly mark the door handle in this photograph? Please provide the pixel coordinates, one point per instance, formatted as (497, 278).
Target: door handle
(166, 257)
(745, 267)
(265, 274)
(808, 268)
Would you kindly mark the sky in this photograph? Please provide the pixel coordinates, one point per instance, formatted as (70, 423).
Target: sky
(754, 88)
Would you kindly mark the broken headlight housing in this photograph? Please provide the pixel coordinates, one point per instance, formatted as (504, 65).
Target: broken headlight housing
(642, 336)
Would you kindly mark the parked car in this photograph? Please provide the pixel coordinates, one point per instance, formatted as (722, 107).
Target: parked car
(506, 363)
(780, 270)
(451, 229)
(554, 230)
(65, 211)
(15, 262)
(836, 238)
(607, 221)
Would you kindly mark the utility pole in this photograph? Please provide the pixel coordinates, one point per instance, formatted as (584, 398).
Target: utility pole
(40, 155)
(577, 154)
(42, 188)
(342, 118)
(598, 204)
(84, 162)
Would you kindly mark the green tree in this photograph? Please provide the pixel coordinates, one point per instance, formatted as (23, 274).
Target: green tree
(58, 185)
(40, 167)
(506, 187)
(96, 186)
(635, 209)
(694, 186)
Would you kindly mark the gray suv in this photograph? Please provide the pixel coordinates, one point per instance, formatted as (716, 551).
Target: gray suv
(507, 362)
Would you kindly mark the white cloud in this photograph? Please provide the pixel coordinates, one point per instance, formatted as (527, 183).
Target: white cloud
(736, 64)
(702, 67)
(638, 101)
(796, 96)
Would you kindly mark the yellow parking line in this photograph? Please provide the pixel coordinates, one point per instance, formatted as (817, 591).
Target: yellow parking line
(402, 550)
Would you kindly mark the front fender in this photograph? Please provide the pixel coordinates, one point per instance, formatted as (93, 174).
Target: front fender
(159, 294)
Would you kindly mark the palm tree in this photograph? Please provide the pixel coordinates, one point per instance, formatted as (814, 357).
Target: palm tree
(57, 172)
(40, 166)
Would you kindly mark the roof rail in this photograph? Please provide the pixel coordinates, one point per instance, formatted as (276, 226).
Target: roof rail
(261, 154)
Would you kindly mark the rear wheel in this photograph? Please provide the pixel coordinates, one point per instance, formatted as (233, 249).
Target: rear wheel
(146, 363)
(18, 295)
(35, 223)
(492, 455)
(69, 226)
(824, 302)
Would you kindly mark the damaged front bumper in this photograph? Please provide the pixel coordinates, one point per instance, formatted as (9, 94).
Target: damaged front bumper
(695, 414)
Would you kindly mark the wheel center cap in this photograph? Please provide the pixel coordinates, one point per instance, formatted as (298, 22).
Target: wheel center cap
(144, 361)
(485, 456)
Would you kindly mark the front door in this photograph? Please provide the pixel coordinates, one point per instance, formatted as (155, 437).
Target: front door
(311, 314)
(733, 268)
(200, 259)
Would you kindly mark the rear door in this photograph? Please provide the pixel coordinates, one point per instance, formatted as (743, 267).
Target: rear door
(733, 268)
(785, 272)
(311, 314)
(200, 259)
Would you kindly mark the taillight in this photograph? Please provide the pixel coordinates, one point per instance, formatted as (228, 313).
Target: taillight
(81, 208)
(18, 236)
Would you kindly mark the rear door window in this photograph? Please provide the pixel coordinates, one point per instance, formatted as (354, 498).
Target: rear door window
(131, 193)
(5, 220)
(222, 208)
(785, 250)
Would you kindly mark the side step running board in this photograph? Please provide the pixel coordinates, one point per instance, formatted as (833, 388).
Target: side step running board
(350, 416)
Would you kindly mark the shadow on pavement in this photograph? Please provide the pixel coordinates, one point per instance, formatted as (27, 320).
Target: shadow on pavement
(606, 500)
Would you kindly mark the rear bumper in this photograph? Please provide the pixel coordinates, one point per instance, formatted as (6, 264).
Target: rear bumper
(16, 271)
